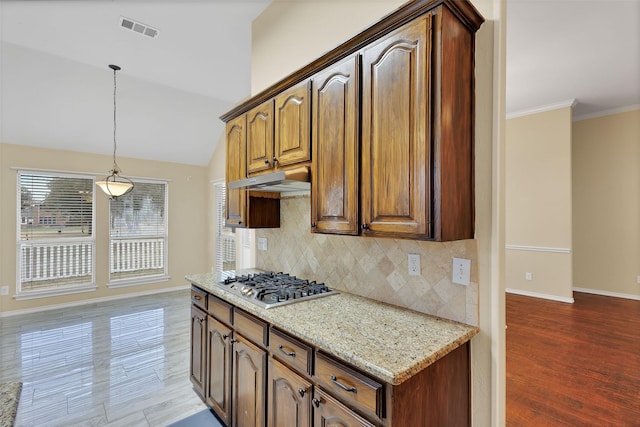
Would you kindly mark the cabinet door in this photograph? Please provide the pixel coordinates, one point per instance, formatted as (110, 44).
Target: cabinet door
(249, 383)
(334, 187)
(198, 349)
(260, 137)
(218, 390)
(236, 137)
(328, 412)
(396, 187)
(289, 397)
(292, 131)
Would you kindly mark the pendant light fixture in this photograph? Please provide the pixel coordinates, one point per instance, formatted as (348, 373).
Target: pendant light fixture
(115, 185)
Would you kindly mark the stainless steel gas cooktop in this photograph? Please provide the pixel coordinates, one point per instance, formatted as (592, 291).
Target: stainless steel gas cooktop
(270, 289)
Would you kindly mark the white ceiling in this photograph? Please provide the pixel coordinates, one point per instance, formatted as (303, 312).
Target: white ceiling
(587, 50)
(56, 89)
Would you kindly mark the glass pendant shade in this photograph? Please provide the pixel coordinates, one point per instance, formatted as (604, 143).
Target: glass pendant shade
(115, 185)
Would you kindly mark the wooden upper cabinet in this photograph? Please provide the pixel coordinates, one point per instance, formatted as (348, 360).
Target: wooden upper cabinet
(236, 168)
(396, 151)
(335, 139)
(292, 131)
(260, 137)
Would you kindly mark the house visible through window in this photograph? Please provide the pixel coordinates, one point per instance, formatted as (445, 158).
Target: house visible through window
(138, 235)
(225, 238)
(55, 233)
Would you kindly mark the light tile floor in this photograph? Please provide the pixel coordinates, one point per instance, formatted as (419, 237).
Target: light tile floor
(119, 363)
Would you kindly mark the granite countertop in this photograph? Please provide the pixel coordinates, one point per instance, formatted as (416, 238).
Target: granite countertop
(388, 342)
(9, 398)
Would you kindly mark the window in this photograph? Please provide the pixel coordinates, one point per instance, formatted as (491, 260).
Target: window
(225, 238)
(55, 233)
(138, 235)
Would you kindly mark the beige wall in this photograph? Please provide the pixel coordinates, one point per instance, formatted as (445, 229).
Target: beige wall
(187, 250)
(288, 35)
(606, 198)
(538, 204)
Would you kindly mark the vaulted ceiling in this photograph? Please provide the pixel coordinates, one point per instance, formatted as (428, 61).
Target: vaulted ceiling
(56, 88)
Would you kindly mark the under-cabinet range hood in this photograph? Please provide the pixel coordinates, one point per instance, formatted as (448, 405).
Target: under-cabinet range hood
(280, 182)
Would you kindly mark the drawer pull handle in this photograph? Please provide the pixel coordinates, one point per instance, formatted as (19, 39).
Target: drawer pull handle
(342, 386)
(288, 353)
(197, 297)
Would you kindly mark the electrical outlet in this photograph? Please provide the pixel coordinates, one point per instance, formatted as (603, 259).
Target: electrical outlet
(461, 271)
(414, 264)
(262, 243)
(4, 290)
(528, 275)
(638, 280)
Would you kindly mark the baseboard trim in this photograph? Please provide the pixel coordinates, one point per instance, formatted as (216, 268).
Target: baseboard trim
(607, 293)
(93, 301)
(539, 295)
(538, 249)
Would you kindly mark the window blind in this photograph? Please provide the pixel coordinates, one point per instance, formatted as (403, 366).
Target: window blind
(55, 223)
(225, 238)
(138, 232)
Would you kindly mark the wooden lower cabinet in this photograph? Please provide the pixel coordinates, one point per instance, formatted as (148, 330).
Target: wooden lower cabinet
(255, 375)
(289, 396)
(328, 412)
(198, 359)
(219, 348)
(249, 384)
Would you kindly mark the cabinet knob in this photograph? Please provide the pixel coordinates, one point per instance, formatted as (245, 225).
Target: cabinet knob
(301, 392)
(275, 159)
(316, 402)
(233, 341)
(225, 336)
(365, 226)
(313, 225)
(266, 161)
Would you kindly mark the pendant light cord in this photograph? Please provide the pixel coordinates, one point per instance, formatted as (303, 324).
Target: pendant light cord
(115, 165)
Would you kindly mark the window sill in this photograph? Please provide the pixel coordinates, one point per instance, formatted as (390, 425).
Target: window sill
(135, 281)
(44, 293)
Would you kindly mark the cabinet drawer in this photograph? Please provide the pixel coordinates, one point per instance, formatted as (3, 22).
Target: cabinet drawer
(219, 309)
(290, 351)
(199, 297)
(354, 387)
(251, 327)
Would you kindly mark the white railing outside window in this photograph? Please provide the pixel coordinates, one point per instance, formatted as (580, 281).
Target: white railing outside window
(225, 238)
(136, 255)
(44, 264)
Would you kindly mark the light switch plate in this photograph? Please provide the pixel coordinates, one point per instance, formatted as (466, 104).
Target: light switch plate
(4, 290)
(262, 243)
(461, 271)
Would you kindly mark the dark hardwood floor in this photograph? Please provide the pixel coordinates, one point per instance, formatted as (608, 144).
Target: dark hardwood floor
(573, 364)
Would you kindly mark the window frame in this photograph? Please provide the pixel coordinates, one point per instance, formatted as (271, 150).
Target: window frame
(61, 289)
(114, 283)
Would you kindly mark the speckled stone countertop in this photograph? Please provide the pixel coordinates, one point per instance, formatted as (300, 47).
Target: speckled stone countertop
(388, 342)
(9, 398)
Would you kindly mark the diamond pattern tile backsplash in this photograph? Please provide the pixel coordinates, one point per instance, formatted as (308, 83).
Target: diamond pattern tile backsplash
(372, 267)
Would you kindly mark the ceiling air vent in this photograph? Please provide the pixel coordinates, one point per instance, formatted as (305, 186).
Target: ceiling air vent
(138, 27)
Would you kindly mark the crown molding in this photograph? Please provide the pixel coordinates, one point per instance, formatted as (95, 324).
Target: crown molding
(608, 112)
(543, 108)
